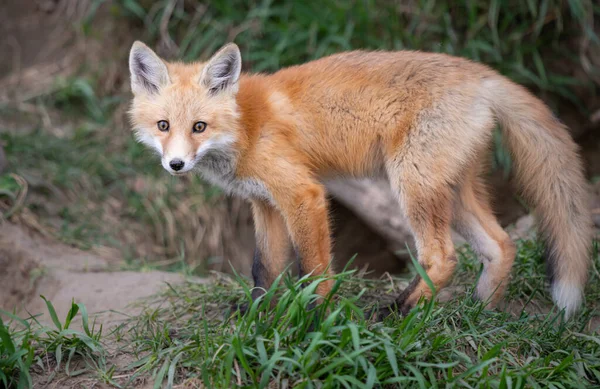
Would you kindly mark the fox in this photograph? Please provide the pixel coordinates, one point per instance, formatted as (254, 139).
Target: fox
(424, 121)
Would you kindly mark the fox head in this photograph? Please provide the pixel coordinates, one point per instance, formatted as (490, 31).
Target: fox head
(185, 111)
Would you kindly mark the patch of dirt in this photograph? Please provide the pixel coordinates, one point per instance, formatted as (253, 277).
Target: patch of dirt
(34, 266)
(38, 44)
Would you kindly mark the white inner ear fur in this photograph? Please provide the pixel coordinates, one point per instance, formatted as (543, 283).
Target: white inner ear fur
(148, 72)
(222, 71)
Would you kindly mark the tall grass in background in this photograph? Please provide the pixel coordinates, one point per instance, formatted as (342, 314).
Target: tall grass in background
(511, 36)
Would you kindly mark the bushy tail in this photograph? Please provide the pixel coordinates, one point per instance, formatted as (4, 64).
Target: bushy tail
(550, 172)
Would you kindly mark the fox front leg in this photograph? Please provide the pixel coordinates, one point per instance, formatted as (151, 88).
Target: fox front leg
(305, 212)
(272, 248)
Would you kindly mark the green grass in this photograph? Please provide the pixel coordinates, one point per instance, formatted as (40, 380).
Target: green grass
(13, 189)
(509, 34)
(27, 345)
(16, 355)
(191, 334)
(194, 336)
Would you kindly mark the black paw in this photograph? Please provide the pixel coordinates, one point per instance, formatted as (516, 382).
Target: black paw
(405, 308)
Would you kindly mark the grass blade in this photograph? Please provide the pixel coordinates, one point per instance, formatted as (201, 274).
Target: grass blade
(52, 313)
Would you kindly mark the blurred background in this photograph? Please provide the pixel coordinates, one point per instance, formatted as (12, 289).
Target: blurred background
(73, 175)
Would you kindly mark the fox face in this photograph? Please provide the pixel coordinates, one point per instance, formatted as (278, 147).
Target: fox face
(186, 112)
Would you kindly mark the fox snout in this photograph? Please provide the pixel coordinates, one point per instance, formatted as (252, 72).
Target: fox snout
(177, 165)
(178, 153)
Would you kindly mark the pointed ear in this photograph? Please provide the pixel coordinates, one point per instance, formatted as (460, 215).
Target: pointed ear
(222, 71)
(148, 72)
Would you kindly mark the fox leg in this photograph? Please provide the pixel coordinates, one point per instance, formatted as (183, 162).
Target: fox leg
(429, 215)
(426, 196)
(304, 207)
(272, 246)
(474, 220)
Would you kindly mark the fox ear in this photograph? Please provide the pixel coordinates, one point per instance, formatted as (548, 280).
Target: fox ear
(222, 71)
(148, 72)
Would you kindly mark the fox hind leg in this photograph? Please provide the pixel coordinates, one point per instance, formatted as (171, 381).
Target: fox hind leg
(427, 167)
(429, 211)
(474, 220)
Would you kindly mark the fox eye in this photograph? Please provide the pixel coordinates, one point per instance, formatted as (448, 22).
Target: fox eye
(163, 125)
(199, 127)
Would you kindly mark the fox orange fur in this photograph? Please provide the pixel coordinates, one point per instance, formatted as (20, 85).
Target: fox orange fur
(422, 120)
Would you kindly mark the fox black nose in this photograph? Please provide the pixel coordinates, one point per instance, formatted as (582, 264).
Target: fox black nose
(176, 164)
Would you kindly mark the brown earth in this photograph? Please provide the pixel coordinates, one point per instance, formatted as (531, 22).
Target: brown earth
(34, 265)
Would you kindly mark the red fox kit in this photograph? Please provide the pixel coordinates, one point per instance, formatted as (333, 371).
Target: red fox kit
(423, 120)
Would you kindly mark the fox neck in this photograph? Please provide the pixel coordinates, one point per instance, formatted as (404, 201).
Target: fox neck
(226, 162)
(219, 163)
(254, 109)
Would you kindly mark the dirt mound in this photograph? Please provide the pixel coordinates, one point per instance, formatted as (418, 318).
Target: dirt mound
(33, 266)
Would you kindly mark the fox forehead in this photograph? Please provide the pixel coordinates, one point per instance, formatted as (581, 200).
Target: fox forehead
(185, 74)
(184, 101)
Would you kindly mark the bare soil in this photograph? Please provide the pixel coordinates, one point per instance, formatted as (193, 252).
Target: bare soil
(34, 265)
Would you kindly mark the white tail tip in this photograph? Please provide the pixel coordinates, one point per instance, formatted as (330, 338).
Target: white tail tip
(567, 296)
